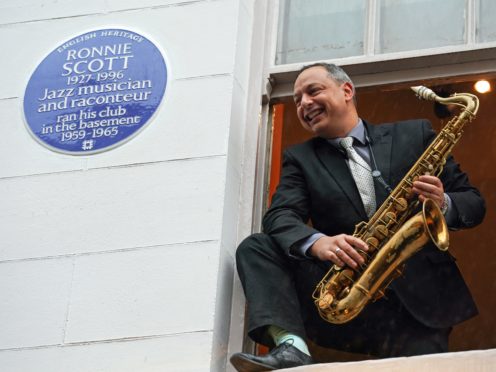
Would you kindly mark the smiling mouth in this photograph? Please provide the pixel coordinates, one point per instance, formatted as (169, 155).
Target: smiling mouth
(309, 118)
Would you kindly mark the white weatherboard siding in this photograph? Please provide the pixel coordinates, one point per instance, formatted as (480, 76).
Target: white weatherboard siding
(115, 295)
(123, 261)
(34, 302)
(111, 209)
(146, 292)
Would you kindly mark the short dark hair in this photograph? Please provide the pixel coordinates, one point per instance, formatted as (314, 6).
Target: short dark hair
(335, 72)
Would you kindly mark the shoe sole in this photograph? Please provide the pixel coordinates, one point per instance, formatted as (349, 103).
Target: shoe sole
(246, 365)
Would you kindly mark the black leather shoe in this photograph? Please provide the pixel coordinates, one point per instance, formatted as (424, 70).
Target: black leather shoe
(283, 356)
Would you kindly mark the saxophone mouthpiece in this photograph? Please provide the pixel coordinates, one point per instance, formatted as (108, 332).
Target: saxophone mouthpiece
(424, 93)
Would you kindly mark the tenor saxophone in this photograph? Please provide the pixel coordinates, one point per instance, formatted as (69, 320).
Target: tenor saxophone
(395, 232)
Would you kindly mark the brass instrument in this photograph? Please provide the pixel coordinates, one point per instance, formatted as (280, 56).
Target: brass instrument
(392, 233)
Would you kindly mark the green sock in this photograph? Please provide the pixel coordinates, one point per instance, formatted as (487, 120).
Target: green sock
(281, 336)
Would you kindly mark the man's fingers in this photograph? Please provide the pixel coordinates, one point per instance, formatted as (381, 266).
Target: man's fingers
(348, 253)
(342, 258)
(424, 187)
(334, 257)
(340, 249)
(430, 179)
(357, 243)
(428, 185)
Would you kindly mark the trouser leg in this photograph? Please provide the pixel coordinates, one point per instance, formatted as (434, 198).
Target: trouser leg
(266, 274)
(415, 338)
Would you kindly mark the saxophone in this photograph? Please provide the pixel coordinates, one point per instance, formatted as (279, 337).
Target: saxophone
(394, 233)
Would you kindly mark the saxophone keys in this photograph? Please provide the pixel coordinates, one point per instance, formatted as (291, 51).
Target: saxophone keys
(326, 301)
(381, 231)
(408, 192)
(391, 217)
(400, 204)
(372, 242)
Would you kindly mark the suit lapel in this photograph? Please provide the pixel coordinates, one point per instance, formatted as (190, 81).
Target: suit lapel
(335, 164)
(381, 143)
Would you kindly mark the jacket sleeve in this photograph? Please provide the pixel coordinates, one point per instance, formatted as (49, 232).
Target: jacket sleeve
(467, 201)
(286, 219)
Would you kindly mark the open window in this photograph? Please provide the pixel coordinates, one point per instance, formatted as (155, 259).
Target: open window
(476, 154)
(385, 55)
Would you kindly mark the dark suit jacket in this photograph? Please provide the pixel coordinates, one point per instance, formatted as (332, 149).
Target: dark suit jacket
(316, 185)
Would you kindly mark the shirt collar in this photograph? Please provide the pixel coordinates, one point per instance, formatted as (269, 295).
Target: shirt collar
(358, 133)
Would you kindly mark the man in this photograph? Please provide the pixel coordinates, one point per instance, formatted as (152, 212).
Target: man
(330, 184)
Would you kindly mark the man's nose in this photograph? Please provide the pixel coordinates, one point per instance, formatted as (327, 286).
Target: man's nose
(306, 100)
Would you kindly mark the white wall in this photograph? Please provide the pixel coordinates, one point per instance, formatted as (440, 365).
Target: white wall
(123, 261)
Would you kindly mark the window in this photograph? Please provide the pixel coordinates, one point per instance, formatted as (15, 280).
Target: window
(386, 46)
(310, 30)
(320, 29)
(420, 24)
(486, 30)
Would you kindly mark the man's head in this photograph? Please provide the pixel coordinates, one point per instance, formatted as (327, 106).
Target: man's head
(324, 98)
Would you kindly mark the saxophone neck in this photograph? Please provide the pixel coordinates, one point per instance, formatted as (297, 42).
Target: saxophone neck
(469, 102)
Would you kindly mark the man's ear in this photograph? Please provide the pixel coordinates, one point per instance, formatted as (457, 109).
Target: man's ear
(349, 91)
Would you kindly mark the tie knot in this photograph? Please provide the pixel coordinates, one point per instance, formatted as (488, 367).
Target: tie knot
(346, 143)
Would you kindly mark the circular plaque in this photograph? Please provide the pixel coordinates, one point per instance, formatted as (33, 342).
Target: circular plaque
(95, 91)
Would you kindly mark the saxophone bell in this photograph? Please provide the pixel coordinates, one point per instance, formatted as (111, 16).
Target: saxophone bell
(435, 225)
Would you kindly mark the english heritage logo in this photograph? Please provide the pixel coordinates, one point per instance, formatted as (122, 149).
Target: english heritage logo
(95, 91)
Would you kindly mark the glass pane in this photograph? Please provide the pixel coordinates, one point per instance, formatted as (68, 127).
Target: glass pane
(487, 26)
(420, 24)
(312, 30)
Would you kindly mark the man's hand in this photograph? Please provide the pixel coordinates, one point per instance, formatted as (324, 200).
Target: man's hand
(429, 187)
(340, 249)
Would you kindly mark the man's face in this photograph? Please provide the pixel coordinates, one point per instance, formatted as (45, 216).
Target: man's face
(322, 104)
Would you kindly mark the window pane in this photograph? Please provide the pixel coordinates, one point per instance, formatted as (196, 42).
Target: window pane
(420, 24)
(487, 25)
(312, 30)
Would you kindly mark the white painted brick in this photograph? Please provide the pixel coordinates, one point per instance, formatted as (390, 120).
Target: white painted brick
(115, 5)
(243, 46)
(162, 290)
(231, 204)
(177, 353)
(223, 311)
(34, 302)
(202, 43)
(176, 132)
(109, 209)
(238, 127)
(12, 11)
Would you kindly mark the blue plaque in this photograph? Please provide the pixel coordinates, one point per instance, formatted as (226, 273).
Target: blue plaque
(95, 91)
